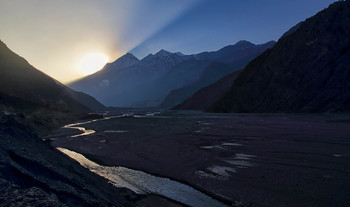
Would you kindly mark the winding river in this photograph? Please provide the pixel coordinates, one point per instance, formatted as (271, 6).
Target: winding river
(138, 181)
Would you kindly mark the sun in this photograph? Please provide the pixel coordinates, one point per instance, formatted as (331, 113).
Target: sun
(91, 63)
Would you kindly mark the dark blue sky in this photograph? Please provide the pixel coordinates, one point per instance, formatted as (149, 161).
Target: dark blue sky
(212, 24)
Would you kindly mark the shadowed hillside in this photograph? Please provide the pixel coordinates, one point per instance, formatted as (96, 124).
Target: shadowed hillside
(308, 70)
(19, 79)
(207, 96)
(232, 62)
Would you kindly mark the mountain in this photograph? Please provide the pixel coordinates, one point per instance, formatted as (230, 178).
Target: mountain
(207, 96)
(100, 81)
(240, 54)
(129, 82)
(20, 80)
(121, 63)
(125, 73)
(307, 71)
(151, 93)
(10, 103)
(164, 57)
(211, 73)
(233, 53)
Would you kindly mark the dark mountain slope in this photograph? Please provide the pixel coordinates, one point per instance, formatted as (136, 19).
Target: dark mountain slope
(308, 70)
(207, 96)
(247, 52)
(85, 99)
(211, 74)
(10, 103)
(19, 79)
(239, 59)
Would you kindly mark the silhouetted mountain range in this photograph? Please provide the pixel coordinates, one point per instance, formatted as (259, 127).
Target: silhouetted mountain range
(217, 70)
(143, 83)
(308, 70)
(20, 80)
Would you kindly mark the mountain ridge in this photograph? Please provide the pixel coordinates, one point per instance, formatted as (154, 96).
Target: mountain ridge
(207, 96)
(216, 71)
(20, 79)
(306, 72)
(115, 86)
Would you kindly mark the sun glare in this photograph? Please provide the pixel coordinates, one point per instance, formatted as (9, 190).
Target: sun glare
(91, 63)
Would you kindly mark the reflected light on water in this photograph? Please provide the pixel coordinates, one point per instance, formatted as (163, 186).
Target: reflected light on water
(141, 182)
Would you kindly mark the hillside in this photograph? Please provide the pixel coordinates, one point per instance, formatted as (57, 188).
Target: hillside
(216, 70)
(207, 96)
(19, 79)
(306, 72)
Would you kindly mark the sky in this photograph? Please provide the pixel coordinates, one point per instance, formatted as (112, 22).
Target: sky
(59, 37)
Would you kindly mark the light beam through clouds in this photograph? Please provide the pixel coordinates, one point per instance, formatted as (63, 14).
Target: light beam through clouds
(52, 35)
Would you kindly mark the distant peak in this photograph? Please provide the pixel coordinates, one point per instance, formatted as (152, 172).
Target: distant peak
(129, 55)
(163, 53)
(149, 56)
(180, 54)
(127, 60)
(272, 42)
(243, 42)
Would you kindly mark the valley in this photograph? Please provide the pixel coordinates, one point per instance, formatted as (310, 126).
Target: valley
(253, 160)
(121, 121)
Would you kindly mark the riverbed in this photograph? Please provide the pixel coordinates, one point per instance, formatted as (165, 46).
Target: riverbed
(256, 159)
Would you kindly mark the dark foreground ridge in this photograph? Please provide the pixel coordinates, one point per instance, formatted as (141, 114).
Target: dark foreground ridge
(34, 174)
(306, 71)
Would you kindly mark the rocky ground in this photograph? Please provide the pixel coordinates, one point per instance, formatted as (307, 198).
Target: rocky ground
(253, 160)
(32, 173)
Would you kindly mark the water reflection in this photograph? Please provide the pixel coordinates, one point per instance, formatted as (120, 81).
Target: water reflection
(142, 183)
